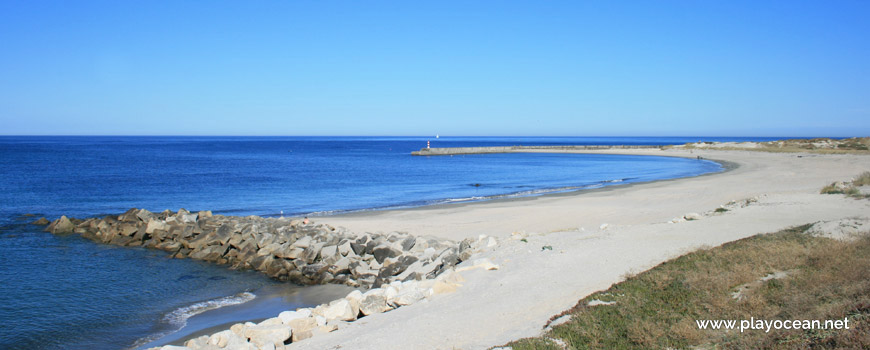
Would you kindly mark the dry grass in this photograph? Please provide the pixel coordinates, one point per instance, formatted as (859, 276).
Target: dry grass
(657, 309)
(855, 145)
(862, 180)
(849, 188)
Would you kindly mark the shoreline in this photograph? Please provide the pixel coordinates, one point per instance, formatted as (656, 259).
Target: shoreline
(595, 238)
(260, 308)
(727, 166)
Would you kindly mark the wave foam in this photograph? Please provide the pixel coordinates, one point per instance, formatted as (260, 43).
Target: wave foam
(178, 317)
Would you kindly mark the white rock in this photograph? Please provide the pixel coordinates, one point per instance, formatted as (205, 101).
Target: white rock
(189, 218)
(221, 339)
(354, 298)
(328, 251)
(271, 321)
(408, 296)
(692, 216)
(345, 248)
(264, 336)
(373, 291)
(603, 226)
(416, 266)
(339, 310)
(390, 293)
(428, 253)
(197, 343)
(153, 225)
(288, 316)
(354, 295)
(374, 303)
(303, 242)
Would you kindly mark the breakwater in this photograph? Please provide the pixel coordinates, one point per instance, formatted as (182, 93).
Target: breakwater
(508, 149)
(394, 270)
(284, 249)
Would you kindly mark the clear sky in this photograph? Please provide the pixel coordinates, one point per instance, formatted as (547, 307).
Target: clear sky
(572, 68)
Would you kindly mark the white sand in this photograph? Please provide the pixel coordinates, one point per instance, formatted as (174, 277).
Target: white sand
(495, 307)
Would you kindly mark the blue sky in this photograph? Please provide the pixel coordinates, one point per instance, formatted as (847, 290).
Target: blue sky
(602, 68)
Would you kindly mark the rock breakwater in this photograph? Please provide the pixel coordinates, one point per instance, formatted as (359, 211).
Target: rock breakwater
(284, 249)
(512, 149)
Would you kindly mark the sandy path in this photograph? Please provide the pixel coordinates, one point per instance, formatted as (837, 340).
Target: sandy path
(494, 307)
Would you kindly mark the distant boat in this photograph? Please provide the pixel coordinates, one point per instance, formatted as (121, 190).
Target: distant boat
(436, 136)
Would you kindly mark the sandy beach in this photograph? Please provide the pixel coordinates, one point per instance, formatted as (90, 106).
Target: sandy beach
(597, 238)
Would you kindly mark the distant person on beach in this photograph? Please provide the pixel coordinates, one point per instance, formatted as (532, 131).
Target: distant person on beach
(305, 222)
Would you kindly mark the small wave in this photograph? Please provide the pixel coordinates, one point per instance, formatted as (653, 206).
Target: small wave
(619, 180)
(178, 317)
(527, 193)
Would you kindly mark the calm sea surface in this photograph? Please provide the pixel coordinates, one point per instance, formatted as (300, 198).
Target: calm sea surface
(67, 292)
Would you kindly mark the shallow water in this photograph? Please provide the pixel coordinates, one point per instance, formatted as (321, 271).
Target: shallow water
(67, 292)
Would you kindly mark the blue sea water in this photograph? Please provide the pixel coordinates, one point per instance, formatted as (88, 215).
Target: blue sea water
(67, 292)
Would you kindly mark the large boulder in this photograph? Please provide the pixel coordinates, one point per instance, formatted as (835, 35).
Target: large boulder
(345, 248)
(355, 298)
(288, 316)
(187, 218)
(41, 222)
(408, 295)
(303, 242)
(337, 310)
(130, 216)
(229, 340)
(62, 225)
(409, 243)
(209, 253)
(302, 328)
(382, 252)
(154, 225)
(374, 303)
(264, 335)
(340, 266)
(127, 229)
(328, 252)
(261, 262)
(145, 215)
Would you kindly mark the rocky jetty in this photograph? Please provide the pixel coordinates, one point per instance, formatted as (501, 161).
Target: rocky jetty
(444, 151)
(296, 325)
(292, 326)
(284, 249)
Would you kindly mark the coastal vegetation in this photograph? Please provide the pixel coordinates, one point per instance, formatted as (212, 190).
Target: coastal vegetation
(785, 275)
(850, 188)
(854, 145)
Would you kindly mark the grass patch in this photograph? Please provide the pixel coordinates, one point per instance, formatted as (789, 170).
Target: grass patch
(849, 188)
(862, 180)
(855, 145)
(657, 309)
(833, 189)
(720, 210)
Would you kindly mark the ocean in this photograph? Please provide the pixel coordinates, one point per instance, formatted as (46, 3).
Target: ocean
(67, 292)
